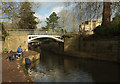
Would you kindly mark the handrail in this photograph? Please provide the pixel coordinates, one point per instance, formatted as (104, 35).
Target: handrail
(38, 32)
(26, 30)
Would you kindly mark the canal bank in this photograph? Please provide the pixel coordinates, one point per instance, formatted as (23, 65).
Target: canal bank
(93, 48)
(59, 68)
(102, 52)
(15, 71)
(106, 49)
(89, 55)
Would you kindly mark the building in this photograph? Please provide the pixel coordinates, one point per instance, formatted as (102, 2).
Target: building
(89, 26)
(0, 30)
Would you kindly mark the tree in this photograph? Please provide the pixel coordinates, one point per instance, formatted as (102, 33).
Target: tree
(4, 32)
(44, 28)
(106, 14)
(27, 18)
(10, 10)
(64, 14)
(94, 10)
(116, 19)
(52, 21)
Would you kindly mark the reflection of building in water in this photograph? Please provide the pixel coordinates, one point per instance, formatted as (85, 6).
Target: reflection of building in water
(88, 26)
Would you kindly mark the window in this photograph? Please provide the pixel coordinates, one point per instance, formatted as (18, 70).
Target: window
(94, 24)
(86, 22)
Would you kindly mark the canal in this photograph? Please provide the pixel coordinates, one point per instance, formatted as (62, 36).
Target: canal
(59, 68)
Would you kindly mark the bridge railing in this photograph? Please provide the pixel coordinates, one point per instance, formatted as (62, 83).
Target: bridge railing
(31, 31)
(37, 32)
(20, 31)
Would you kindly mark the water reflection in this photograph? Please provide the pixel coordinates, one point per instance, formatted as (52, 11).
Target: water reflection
(57, 68)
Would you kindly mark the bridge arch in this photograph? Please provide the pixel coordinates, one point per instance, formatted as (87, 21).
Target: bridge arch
(34, 38)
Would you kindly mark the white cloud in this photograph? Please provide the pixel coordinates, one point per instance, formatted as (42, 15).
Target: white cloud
(57, 9)
(43, 17)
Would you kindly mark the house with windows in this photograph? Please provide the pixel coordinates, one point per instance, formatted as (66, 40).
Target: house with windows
(89, 26)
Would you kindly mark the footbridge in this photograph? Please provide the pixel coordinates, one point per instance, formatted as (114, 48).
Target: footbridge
(35, 35)
(25, 37)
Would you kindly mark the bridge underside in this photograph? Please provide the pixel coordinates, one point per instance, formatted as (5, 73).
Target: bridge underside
(47, 38)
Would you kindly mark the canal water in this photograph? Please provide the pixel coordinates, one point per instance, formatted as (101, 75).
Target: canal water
(59, 68)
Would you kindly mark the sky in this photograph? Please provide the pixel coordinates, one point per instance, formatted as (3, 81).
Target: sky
(46, 10)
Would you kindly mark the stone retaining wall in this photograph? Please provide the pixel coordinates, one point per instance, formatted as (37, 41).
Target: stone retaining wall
(105, 49)
(13, 41)
(71, 43)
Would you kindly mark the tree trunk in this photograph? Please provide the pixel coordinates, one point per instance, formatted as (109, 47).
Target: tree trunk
(106, 14)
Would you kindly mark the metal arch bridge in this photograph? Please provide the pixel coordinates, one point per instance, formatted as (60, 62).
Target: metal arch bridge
(33, 38)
